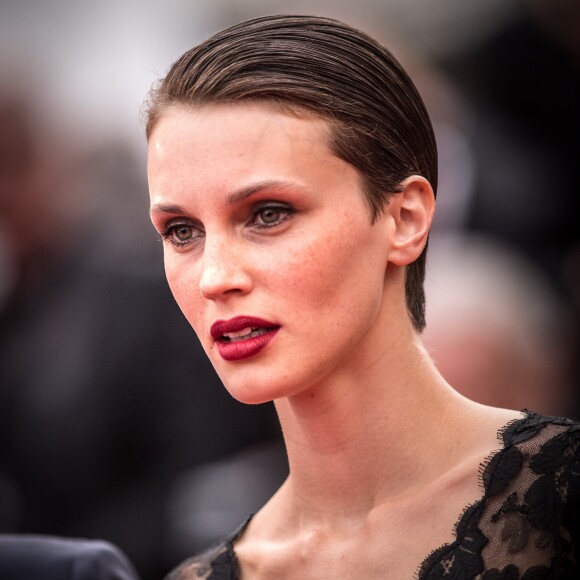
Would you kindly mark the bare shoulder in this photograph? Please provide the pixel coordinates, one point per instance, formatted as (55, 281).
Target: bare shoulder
(482, 426)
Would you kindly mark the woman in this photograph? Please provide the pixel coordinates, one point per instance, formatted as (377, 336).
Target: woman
(292, 168)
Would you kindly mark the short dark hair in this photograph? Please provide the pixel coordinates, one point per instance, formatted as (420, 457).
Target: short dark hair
(379, 123)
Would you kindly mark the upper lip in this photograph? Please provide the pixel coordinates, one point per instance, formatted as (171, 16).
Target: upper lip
(221, 327)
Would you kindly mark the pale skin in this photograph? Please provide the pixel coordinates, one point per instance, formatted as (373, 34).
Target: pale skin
(383, 454)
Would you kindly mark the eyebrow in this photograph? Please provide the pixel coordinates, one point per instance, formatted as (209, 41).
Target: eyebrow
(245, 192)
(166, 208)
(231, 199)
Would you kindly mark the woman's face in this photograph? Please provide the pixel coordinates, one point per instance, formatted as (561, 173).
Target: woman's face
(269, 248)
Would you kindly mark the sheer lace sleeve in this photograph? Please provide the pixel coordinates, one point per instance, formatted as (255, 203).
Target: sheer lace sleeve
(527, 524)
(217, 563)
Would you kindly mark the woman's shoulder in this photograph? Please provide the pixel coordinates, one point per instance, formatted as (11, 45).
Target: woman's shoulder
(532, 424)
(528, 520)
(536, 449)
(540, 456)
(532, 497)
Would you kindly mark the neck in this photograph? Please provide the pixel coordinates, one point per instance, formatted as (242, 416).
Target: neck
(349, 438)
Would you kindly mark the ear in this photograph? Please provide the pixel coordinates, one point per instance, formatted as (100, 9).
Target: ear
(411, 214)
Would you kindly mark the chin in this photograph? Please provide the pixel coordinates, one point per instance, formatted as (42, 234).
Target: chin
(245, 381)
(255, 388)
(258, 392)
(249, 394)
(242, 386)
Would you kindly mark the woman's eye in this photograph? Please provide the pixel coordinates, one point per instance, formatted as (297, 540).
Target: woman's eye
(181, 234)
(271, 215)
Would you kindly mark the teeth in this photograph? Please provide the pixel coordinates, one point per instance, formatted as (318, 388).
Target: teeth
(243, 334)
(237, 334)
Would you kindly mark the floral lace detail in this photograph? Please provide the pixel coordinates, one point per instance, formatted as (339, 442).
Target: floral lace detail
(526, 524)
(525, 527)
(212, 563)
(217, 563)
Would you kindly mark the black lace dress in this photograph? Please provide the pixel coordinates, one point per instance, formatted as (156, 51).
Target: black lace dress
(525, 527)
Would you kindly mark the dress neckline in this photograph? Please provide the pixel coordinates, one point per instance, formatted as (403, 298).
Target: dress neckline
(515, 431)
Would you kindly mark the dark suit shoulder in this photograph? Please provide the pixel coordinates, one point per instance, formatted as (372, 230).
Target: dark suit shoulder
(30, 557)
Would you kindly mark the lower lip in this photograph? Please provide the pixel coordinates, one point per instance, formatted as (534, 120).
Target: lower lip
(241, 349)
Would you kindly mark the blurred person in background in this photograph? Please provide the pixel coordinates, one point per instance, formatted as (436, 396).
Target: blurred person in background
(33, 557)
(495, 326)
(105, 399)
(523, 83)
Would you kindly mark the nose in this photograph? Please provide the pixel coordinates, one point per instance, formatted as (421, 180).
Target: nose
(223, 271)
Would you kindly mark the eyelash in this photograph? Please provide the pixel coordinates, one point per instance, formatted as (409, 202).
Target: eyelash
(280, 209)
(169, 234)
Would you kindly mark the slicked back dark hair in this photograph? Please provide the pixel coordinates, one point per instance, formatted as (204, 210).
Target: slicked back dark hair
(319, 66)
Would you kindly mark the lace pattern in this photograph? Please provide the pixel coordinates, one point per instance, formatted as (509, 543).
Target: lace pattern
(217, 563)
(525, 526)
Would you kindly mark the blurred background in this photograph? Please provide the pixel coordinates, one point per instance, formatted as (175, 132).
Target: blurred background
(112, 423)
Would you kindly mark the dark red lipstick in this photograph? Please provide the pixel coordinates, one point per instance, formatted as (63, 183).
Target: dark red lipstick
(242, 337)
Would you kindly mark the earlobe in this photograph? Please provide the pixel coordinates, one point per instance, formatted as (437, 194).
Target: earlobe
(412, 213)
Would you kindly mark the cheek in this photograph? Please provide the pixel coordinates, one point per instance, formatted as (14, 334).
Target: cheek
(300, 272)
(332, 272)
(184, 287)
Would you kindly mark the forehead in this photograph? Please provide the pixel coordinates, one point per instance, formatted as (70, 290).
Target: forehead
(243, 121)
(241, 141)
